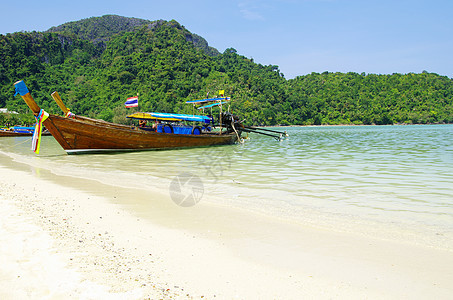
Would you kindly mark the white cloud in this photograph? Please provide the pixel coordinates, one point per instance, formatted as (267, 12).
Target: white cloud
(250, 11)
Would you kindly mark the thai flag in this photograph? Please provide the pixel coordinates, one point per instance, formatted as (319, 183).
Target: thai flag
(131, 102)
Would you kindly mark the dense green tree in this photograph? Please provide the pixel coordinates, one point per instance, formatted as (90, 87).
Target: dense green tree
(96, 63)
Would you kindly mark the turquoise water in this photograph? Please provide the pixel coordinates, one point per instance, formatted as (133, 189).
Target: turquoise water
(392, 181)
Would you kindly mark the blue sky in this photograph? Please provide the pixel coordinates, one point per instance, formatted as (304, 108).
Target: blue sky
(300, 36)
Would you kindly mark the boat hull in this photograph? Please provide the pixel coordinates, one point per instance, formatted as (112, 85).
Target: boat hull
(16, 133)
(85, 135)
(13, 133)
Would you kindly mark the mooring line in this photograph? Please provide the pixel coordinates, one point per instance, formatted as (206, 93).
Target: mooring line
(27, 140)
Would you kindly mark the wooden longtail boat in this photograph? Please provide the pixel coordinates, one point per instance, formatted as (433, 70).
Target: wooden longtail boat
(13, 133)
(78, 134)
(19, 131)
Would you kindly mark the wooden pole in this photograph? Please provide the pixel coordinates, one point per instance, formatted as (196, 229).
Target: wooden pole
(22, 89)
(60, 103)
(220, 117)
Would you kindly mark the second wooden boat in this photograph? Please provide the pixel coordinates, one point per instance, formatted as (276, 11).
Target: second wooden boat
(19, 131)
(7, 132)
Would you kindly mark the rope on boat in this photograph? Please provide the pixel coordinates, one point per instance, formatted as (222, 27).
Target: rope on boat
(239, 139)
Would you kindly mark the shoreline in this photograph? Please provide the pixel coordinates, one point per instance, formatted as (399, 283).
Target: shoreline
(346, 125)
(108, 244)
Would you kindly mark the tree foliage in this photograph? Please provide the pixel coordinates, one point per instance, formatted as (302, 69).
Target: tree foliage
(96, 63)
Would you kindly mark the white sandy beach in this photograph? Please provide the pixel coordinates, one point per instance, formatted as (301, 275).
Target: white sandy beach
(59, 242)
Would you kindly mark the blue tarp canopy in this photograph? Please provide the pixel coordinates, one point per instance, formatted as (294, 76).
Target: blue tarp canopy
(178, 129)
(169, 117)
(23, 128)
(214, 104)
(208, 100)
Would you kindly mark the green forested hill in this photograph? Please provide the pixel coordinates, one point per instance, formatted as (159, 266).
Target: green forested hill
(336, 98)
(96, 63)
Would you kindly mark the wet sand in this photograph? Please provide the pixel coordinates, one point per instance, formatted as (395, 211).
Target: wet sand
(64, 237)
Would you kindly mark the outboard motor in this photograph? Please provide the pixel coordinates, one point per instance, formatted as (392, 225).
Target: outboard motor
(231, 122)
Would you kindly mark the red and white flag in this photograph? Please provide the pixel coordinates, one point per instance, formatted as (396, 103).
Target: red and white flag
(131, 102)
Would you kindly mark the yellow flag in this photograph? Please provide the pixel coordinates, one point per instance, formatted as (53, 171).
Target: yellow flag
(222, 93)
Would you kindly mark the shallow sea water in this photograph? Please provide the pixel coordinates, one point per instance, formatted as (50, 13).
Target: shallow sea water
(390, 181)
